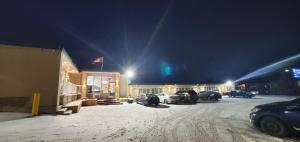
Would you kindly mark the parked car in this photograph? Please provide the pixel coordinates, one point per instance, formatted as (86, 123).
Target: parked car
(168, 98)
(278, 119)
(189, 96)
(254, 92)
(148, 99)
(129, 100)
(240, 93)
(209, 95)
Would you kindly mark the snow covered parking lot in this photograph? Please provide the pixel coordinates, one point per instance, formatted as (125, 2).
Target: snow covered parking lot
(225, 121)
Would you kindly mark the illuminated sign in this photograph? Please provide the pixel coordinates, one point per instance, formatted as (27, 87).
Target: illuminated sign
(296, 73)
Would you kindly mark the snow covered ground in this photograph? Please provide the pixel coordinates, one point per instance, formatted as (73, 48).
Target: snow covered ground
(7, 116)
(225, 121)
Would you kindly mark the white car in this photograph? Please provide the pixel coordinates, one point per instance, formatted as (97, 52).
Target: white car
(168, 98)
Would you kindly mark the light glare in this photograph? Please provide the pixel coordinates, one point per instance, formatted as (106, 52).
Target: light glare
(130, 73)
(229, 83)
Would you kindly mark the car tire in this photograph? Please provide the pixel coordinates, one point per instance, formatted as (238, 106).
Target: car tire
(273, 127)
(165, 101)
(144, 103)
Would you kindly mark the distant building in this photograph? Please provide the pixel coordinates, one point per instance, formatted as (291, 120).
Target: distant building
(281, 82)
(137, 89)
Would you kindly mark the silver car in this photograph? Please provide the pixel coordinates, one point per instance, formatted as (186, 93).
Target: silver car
(168, 98)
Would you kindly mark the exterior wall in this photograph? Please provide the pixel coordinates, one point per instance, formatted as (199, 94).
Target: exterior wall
(69, 80)
(225, 88)
(25, 70)
(123, 86)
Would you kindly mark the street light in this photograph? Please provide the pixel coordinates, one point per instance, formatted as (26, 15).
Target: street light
(229, 83)
(130, 73)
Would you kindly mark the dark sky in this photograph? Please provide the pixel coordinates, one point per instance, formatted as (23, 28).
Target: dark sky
(179, 41)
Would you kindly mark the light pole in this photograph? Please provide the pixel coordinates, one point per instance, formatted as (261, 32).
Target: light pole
(229, 85)
(129, 74)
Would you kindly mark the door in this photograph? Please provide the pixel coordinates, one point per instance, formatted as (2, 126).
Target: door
(293, 113)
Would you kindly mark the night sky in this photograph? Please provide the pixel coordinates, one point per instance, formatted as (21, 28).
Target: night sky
(179, 41)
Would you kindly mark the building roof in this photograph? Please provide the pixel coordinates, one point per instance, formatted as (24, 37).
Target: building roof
(28, 47)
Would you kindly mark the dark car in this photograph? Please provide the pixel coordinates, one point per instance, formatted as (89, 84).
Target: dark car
(148, 99)
(189, 96)
(240, 93)
(209, 95)
(278, 119)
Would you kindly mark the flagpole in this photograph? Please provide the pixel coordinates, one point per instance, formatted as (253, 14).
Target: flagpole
(101, 67)
(98, 60)
(101, 77)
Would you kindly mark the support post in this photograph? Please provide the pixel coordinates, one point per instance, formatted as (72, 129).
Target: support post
(35, 104)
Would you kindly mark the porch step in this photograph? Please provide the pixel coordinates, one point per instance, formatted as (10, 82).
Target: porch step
(74, 106)
(109, 102)
(59, 107)
(61, 111)
(68, 112)
(101, 102)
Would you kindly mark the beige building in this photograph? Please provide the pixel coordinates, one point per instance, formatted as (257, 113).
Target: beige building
(135, 90)
(25, 70)
(51, 72)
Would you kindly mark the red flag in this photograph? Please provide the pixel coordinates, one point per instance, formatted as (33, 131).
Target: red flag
(98, 60)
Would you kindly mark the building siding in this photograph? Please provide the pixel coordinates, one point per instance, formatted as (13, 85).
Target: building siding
(24, 70)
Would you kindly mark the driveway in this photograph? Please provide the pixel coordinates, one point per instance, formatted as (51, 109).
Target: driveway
(225, 121)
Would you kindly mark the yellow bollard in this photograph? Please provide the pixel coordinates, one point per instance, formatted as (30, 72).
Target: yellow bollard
(35, 104)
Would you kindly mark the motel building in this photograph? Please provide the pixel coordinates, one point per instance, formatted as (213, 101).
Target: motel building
(52, 73)
(137, 89)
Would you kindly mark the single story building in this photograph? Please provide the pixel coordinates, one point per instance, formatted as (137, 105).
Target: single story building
(137, 89)
(25, 70)
(52, 73)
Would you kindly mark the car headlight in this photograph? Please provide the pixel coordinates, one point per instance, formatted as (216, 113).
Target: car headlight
(256, 109)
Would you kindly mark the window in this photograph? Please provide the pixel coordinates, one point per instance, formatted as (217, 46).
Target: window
(152, 90)
(160, 90)
(90, 80)
(148, 91)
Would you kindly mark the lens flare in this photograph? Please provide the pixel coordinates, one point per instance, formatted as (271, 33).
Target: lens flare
(141, 60)
(270, 68)
(165, 69)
